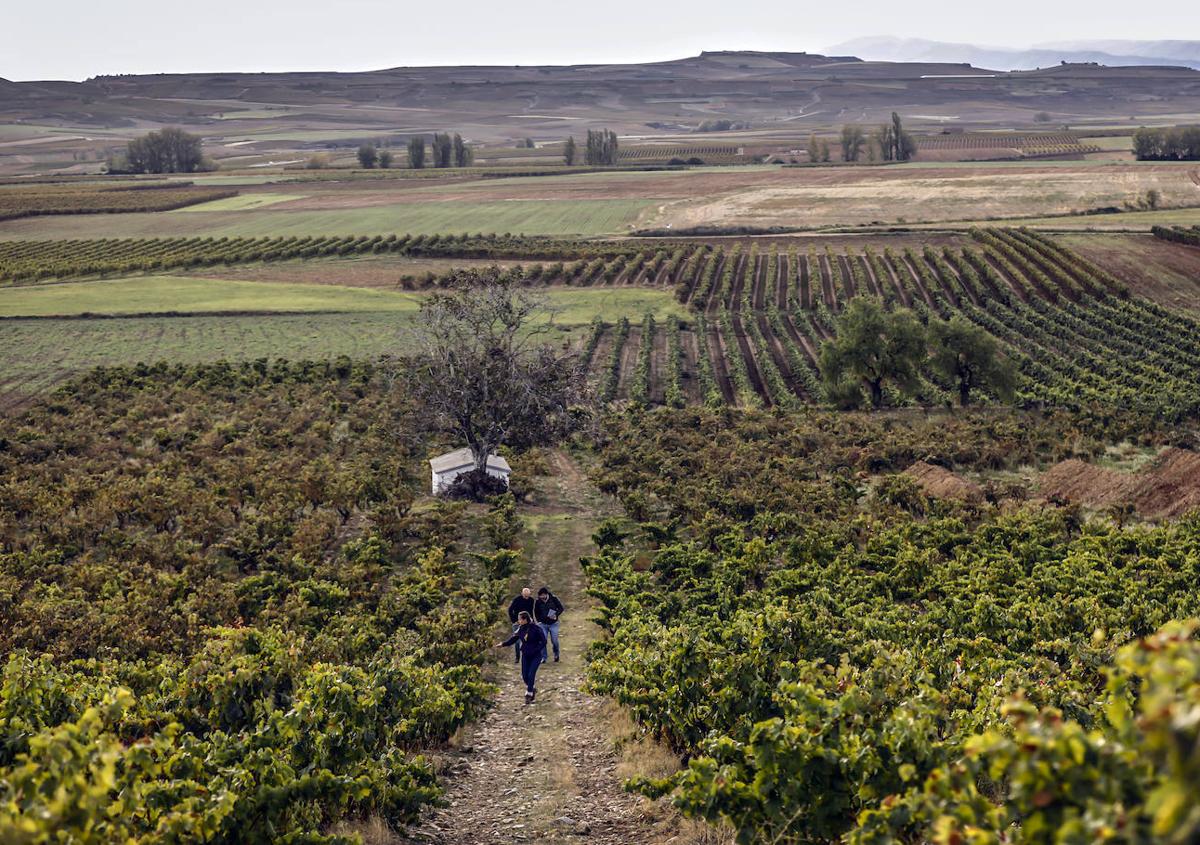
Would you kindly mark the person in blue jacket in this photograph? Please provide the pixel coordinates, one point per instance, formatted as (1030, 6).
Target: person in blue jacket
(533, 644)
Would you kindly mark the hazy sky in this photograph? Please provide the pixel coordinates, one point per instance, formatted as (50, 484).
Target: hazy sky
(75, 39)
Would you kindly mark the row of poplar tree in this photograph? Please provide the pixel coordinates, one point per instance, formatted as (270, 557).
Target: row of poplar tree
(445, 150)
(601, 148)
(891, 141)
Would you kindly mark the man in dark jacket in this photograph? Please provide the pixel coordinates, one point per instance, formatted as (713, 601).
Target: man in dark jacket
(531, 643)
(547, 610)
(523, 602)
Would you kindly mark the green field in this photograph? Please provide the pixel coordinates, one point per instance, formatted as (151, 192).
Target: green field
(189, 294)
(158, 294)
(36, 353)
(530, 217)
(1122, 143)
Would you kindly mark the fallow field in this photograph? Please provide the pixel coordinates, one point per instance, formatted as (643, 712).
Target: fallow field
(1048, 194)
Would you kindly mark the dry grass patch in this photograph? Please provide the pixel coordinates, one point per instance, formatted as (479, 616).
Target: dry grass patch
(641, 756)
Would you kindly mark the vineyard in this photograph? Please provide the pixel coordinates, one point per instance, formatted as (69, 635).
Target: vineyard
(836, 656)
(707, 154)
(16, 202)
(1177, 234)
(760, 314)
(224, 618)
(760, 317)
(228, 607)
(31, 261)
(1025, 145)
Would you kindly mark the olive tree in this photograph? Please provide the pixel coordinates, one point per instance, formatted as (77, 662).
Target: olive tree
(481, 365)
(970, 357)
(872, 347)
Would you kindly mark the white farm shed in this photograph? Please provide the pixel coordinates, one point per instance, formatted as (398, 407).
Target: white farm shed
(445, 468)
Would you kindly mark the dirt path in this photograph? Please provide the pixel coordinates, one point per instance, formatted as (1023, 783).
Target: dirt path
(544, 773)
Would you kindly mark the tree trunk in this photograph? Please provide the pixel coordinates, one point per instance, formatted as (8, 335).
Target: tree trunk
(877, 393)
(964, 394)
(480, 452)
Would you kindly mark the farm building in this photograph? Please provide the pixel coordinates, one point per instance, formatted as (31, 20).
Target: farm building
(444, 469)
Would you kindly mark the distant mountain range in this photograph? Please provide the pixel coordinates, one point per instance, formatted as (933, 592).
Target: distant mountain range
(1105, 52)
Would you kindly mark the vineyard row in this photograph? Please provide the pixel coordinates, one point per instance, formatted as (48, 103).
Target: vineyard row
(16, 202)
(1178, 234)
(759, 319)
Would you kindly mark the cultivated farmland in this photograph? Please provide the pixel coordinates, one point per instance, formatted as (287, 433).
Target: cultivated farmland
(759, 318)
(18, 202)
(232, 609)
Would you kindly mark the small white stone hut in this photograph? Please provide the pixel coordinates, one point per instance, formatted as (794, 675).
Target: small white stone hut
(445, 468)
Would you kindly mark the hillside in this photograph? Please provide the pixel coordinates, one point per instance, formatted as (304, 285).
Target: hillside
(1110, 52)
(498, 102)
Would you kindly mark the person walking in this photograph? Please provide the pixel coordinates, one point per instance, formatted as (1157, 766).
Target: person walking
(523, 602)
(531, 642)
(546, 611)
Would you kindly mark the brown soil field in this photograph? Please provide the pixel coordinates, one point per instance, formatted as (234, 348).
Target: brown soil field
(828, 196)
(941, 483)
(1167, 273)
(1169, 487)
(763, 197)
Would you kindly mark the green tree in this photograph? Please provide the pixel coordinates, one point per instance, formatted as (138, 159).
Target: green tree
(970, 357)
(904, 146)
(853, 140)
(384, 159)
(463, 155)
(601, 147)
(1179, 143)
(569, 151)
(367, 156)
(825, 152)
(883, 140)
(894, 141)
(875, 347)
(416, 152)
(443, 149)
(168, 150)
(482, 365)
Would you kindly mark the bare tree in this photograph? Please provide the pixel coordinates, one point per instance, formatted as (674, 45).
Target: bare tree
(482, 366)
(852, 142)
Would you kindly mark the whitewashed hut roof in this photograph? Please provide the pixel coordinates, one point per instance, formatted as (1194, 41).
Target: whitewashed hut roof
(461, 458)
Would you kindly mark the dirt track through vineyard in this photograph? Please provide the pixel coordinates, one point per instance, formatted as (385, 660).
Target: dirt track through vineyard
(544, 773)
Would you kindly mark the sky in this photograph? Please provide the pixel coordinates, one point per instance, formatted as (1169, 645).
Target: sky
(76, 39)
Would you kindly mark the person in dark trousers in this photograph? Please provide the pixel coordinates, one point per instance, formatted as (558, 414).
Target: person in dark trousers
(532, 642)
(546, 612)
(523, 602)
